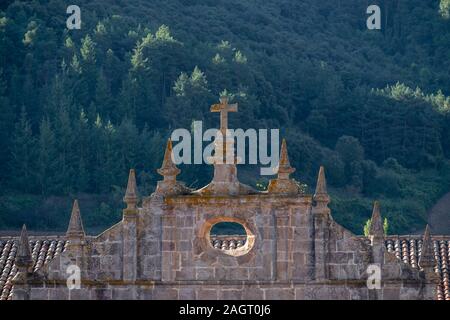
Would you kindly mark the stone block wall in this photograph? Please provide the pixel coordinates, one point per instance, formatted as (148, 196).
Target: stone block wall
(278, 245)
(166, 253)
(205, 290)
(348, 256)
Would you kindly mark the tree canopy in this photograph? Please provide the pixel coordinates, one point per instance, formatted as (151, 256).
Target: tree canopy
(81, 107)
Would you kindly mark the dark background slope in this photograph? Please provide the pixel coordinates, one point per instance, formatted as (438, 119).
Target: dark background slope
(81, 107)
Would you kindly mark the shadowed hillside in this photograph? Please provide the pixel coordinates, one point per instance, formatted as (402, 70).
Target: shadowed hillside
(81, 107)
(439, 216)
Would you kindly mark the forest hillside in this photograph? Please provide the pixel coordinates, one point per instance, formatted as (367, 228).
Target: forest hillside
(79, 108)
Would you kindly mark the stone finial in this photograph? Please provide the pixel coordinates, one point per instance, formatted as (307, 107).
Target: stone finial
(131, 197)
(169, 185)
(321, 194)
(24, 263)
(427, 264)
(23, 258)
(376, 223)
(426, 259)
(283, 184)
(168, 169)
(284, 167)
(75, 229)
(376, 235)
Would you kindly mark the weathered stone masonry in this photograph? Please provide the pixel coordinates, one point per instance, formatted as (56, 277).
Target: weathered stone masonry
(163, 249)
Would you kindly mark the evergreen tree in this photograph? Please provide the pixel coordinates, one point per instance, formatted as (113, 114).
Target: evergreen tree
(46, 164)
(22, 174)
(444, 8)
(87, 81)
(66, 153)
(98, 99)
(191, 92)
(6, 127)
(103, 95)
(84, 150)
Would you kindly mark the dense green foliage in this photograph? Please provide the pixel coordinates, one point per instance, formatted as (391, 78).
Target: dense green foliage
(366, 229)
(81, 107)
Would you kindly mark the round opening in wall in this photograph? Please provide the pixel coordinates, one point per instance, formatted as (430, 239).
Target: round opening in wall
(231, 238)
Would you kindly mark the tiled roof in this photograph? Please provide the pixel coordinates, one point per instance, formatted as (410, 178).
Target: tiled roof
(228, 242)
(42, 251)
(408, 249)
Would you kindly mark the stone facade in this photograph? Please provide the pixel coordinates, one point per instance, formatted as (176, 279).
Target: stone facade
(164, 250)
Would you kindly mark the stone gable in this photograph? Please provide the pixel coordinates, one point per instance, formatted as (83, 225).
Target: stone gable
(292, 249)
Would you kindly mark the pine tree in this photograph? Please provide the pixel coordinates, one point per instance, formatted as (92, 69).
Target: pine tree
(87, 81)
(66, 159)
(114, 70)
(22, 164)
(6, 127)
(87, 50)
(125, 145)
(103, 95)
(191, 94)
(82, 177)
(75, 65)
(46, 158)
(444, 8)
(84, 152)
(58, 96)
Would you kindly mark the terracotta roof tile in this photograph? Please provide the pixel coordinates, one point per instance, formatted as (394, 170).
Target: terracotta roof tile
(43, 250)
(409, 248)
(227, 242)
(406, 249)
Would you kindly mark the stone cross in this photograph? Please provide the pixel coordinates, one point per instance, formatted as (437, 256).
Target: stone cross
(223, 107)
